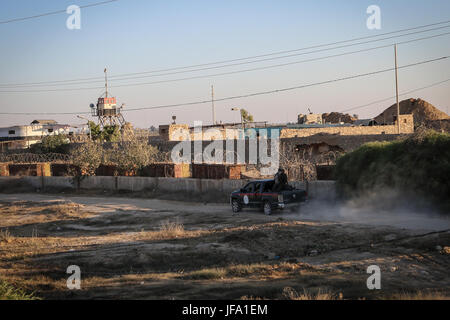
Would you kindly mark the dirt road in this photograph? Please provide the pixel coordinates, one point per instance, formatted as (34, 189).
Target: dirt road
(132, 248)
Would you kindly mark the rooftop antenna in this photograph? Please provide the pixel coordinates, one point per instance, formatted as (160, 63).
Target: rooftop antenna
(106, 82)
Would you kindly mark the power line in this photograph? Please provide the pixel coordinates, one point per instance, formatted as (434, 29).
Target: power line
(392, 97)
(288, 56)
(250, 62)
(253, 69)
(246, 58)
(289, 51)
(245, 95)
(54, 12)
(296, 87)
(217, 74)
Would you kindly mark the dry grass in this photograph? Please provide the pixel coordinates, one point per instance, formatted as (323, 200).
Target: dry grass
(419, 295)
(251, 298)
(8, 292)
(154, 256)
(291, 294)
(207, 274)
(5, 236)
(247, 271)
(172, 229)
(16, 213)
(34, 233)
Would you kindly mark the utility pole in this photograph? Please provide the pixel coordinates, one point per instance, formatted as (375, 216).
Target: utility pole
(396, 89)
(212, 104)
(240, 112)
(106, 83)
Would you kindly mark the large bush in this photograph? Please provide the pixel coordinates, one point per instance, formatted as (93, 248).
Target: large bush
(52, 144)
(419, 164)
(87, 156)
(131, 156)
(107, 134)
(128, 156)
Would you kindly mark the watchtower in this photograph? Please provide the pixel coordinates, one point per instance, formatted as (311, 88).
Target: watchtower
(107, 111)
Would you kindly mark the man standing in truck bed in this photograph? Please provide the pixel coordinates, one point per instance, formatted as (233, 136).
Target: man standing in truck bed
(281, 180)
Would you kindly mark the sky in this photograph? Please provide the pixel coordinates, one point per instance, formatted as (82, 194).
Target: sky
(133, 36)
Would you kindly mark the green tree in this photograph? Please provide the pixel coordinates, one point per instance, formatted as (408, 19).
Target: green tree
(111, 133)
(108, 134)
(87, 156)
(246, 117)
(95, 131)
(52, 144)
(132, 155)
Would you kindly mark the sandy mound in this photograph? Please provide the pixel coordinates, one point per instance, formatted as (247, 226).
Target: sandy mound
(337, 117)
(422, 111)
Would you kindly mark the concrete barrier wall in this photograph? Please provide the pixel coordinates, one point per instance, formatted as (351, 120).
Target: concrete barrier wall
(13, 182)
(316, 189)
(60, 182)
(137, 183)
(98, 182)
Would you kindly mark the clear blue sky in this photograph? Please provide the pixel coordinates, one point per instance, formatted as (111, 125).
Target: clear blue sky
(140, 35)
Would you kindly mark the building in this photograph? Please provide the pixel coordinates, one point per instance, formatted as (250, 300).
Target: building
(311, 128)
(23, 136)
(167, 132)
(311, 118)
(222, 131)
(44, 122)
(365, 122)
(301, 131)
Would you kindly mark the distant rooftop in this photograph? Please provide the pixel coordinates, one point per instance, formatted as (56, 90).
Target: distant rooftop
(365, 122)
(317, 125)
(43, 122)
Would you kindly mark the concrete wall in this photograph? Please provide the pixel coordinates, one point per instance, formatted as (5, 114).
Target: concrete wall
(180, 132)
(7, 183)
(316, 189)
(406, 126)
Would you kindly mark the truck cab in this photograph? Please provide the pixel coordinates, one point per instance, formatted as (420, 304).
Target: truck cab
(259, 194)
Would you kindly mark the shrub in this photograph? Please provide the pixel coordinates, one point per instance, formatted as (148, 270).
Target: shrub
(87, 156)
(131, 155)
(419, 164)
(172, 229)
(52, 144)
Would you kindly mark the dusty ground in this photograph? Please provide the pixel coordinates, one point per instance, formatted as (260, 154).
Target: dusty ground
(157, 249)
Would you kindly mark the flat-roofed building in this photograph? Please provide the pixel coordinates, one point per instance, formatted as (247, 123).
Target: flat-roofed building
(22, 136)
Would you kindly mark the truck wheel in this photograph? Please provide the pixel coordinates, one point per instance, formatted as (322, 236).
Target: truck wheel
(236, 206)
(267, 208)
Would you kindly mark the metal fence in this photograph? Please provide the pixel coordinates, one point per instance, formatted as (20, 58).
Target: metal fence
(34, 158)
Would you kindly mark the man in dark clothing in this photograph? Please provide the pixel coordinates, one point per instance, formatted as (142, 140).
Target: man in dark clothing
(276, 180)
(281, 180)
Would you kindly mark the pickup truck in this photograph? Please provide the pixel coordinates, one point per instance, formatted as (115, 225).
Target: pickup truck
(259, 194)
